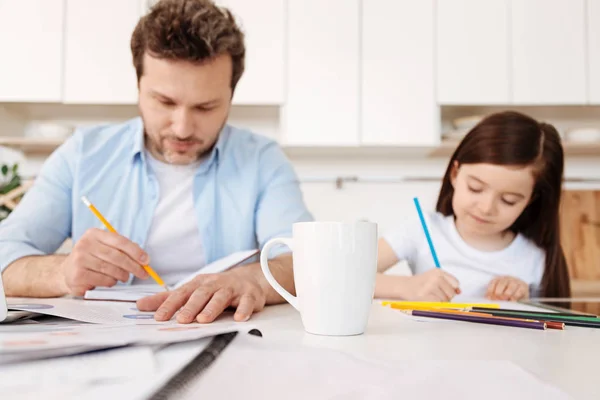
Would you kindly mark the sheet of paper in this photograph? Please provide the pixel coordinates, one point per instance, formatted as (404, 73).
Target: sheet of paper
(170, 361)
(128, 362)
(296, 372)
(110, 335)
(122, 293)
(95, 312)
(134, 293)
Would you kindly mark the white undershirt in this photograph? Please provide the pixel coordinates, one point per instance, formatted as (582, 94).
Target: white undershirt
(472, 267)
(174, 243)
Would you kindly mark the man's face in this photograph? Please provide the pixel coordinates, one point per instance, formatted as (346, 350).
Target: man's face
(184, 106)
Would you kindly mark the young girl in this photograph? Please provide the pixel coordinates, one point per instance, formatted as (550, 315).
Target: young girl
(496, 229)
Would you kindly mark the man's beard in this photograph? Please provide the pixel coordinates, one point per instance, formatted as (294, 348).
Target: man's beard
(158, 147)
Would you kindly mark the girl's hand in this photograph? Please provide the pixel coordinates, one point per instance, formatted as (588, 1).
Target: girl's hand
(507, 288)
(433, 285)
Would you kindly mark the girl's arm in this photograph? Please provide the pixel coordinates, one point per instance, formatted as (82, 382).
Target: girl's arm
(386, 257)
(434, 285)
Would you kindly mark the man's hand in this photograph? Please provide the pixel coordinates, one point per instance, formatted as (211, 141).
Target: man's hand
(433, 285)
(507, 288)
(101, 258)
(207, 296)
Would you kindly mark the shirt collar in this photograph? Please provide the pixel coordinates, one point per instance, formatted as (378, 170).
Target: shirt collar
(215, 154)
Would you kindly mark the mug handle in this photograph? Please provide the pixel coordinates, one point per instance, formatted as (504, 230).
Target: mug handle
(264, 264)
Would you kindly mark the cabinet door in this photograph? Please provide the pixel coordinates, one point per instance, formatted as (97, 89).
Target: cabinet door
(31, 39)
(322, 105)
(263, 23)
(473, 52)
(398, 93)
(593, 48)
(548, 51)
(98, 62)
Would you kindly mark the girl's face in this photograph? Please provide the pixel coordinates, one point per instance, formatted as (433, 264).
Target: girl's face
(489, 198)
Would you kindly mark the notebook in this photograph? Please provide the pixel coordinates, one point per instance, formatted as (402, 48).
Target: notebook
(134, 293)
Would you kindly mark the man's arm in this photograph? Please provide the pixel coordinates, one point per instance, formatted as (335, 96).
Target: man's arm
(281, 203)
(282, 270)
(38, 226)
(42, 220)
(35, 276)
(99, 258)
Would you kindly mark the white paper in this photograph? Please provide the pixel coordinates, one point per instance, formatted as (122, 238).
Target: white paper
(167, 362)
(109, 335)
(170, 361)
(129, 362)
(97, 312)
(267, 370)
(123, 293)
(134, 293)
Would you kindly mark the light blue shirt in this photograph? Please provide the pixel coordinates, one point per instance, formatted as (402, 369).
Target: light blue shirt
(245, 193)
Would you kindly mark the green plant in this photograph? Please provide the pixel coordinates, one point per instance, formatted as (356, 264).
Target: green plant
(9, 180)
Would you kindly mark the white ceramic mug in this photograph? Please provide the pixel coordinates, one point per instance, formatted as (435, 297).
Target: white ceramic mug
(335, 265)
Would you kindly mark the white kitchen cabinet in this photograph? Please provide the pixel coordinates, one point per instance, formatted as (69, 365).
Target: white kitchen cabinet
(263, 23)
(390, 205)
(473, 52)
(593, 48)
(31, 41)
(322, 104)
(98, 62)
(397, 91)
(548, 52)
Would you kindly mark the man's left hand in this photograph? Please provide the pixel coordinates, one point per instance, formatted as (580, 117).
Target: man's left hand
(207, 296)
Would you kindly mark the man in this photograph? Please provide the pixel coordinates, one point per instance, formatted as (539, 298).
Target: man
(178, 182)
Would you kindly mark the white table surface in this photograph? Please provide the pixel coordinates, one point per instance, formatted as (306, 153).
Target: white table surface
(568, 359)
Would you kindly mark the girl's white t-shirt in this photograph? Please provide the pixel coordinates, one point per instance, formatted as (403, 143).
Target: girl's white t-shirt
(473, 268)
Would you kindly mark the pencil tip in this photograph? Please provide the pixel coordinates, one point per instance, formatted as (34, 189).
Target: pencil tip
(85, 201)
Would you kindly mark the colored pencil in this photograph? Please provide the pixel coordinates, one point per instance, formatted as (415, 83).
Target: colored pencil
(425, 308)
(439, 304)
(557, 314)
(108, 226)
(527, 314)
(479, 319)
(424, 225)
(549, 324)
(569, 321)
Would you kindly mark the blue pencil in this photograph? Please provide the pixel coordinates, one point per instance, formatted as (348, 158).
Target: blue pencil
(424, 225)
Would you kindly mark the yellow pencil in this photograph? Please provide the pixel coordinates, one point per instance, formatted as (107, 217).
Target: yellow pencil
(108, 226)
(425, 308)
(437, 304)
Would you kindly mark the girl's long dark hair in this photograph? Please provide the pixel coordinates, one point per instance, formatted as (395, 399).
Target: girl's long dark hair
(511, 138)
